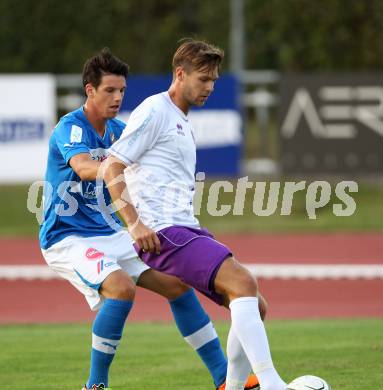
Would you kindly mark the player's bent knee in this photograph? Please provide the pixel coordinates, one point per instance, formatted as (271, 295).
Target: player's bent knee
(118, 285)
(243, 286)
(124, 292)
(246, 286)
(235, 281)
(177, 291)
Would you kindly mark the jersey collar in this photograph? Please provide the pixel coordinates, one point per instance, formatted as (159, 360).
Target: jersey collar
(177, 109)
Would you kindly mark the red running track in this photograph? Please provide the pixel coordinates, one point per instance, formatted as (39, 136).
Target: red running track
(56, 301)
(353, 248)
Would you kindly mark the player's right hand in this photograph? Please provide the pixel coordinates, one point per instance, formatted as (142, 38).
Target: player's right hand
(145, 237)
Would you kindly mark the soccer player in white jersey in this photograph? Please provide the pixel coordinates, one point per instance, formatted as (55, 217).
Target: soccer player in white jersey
(79, 244)
(158, 147)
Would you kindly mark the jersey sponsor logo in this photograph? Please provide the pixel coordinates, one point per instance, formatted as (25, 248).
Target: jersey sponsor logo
(93, 254)
(99, 158)
(101, 265)
(89, 190)
(180, 130)
(98, 154)
(138, 132)
(75, 134)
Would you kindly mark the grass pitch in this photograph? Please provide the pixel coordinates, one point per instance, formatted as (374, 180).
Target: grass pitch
(347, 353)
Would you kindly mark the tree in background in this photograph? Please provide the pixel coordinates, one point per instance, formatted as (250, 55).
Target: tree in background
(297, 35)
(52, 36)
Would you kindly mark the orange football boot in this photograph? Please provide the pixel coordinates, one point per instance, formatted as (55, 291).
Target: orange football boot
(252, 383)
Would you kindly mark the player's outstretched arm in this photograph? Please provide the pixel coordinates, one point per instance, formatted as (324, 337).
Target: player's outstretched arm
(113, 173)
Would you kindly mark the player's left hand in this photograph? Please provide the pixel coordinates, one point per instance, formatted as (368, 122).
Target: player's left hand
(145, 238)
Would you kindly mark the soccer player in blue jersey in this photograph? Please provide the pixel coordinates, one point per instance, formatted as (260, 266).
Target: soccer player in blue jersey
(100, 261)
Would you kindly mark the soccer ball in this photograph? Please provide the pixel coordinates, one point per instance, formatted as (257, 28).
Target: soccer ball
(308, 382)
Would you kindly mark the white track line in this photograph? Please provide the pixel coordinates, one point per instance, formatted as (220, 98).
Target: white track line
(317, 271)
(28, 272)
(267, 271)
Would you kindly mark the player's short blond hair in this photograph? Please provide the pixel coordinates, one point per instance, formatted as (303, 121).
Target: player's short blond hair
(197, 55)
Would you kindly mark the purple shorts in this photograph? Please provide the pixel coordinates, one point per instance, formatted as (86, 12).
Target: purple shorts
(193, 255)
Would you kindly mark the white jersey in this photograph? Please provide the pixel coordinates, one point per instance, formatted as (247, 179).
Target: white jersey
(159, 148)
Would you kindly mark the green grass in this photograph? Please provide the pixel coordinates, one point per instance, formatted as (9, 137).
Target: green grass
(253, 145)
(347, 353)
(17, 220)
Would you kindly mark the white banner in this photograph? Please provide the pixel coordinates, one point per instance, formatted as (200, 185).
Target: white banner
(27, 117)
(216, 128)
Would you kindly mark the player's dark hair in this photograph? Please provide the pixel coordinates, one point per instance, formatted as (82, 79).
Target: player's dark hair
(197, 55)
(101, 64)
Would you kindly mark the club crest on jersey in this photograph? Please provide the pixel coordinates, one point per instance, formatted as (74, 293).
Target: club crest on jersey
(93, 254)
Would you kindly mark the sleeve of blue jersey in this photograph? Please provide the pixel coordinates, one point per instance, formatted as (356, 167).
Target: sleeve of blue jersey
(67, 148)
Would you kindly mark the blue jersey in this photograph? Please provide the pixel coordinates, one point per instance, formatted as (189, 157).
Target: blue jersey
(71, 206)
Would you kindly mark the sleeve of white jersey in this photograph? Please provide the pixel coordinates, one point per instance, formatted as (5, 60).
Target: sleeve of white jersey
(140, 134)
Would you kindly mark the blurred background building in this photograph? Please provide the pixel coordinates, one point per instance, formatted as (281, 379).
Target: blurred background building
(300, 92)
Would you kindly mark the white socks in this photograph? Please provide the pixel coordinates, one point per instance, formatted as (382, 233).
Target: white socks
(247, 325)
(238, 368)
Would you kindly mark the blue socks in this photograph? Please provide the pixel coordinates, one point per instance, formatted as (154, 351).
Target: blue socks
(197, 329)
(191, 319)
(107, 331)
